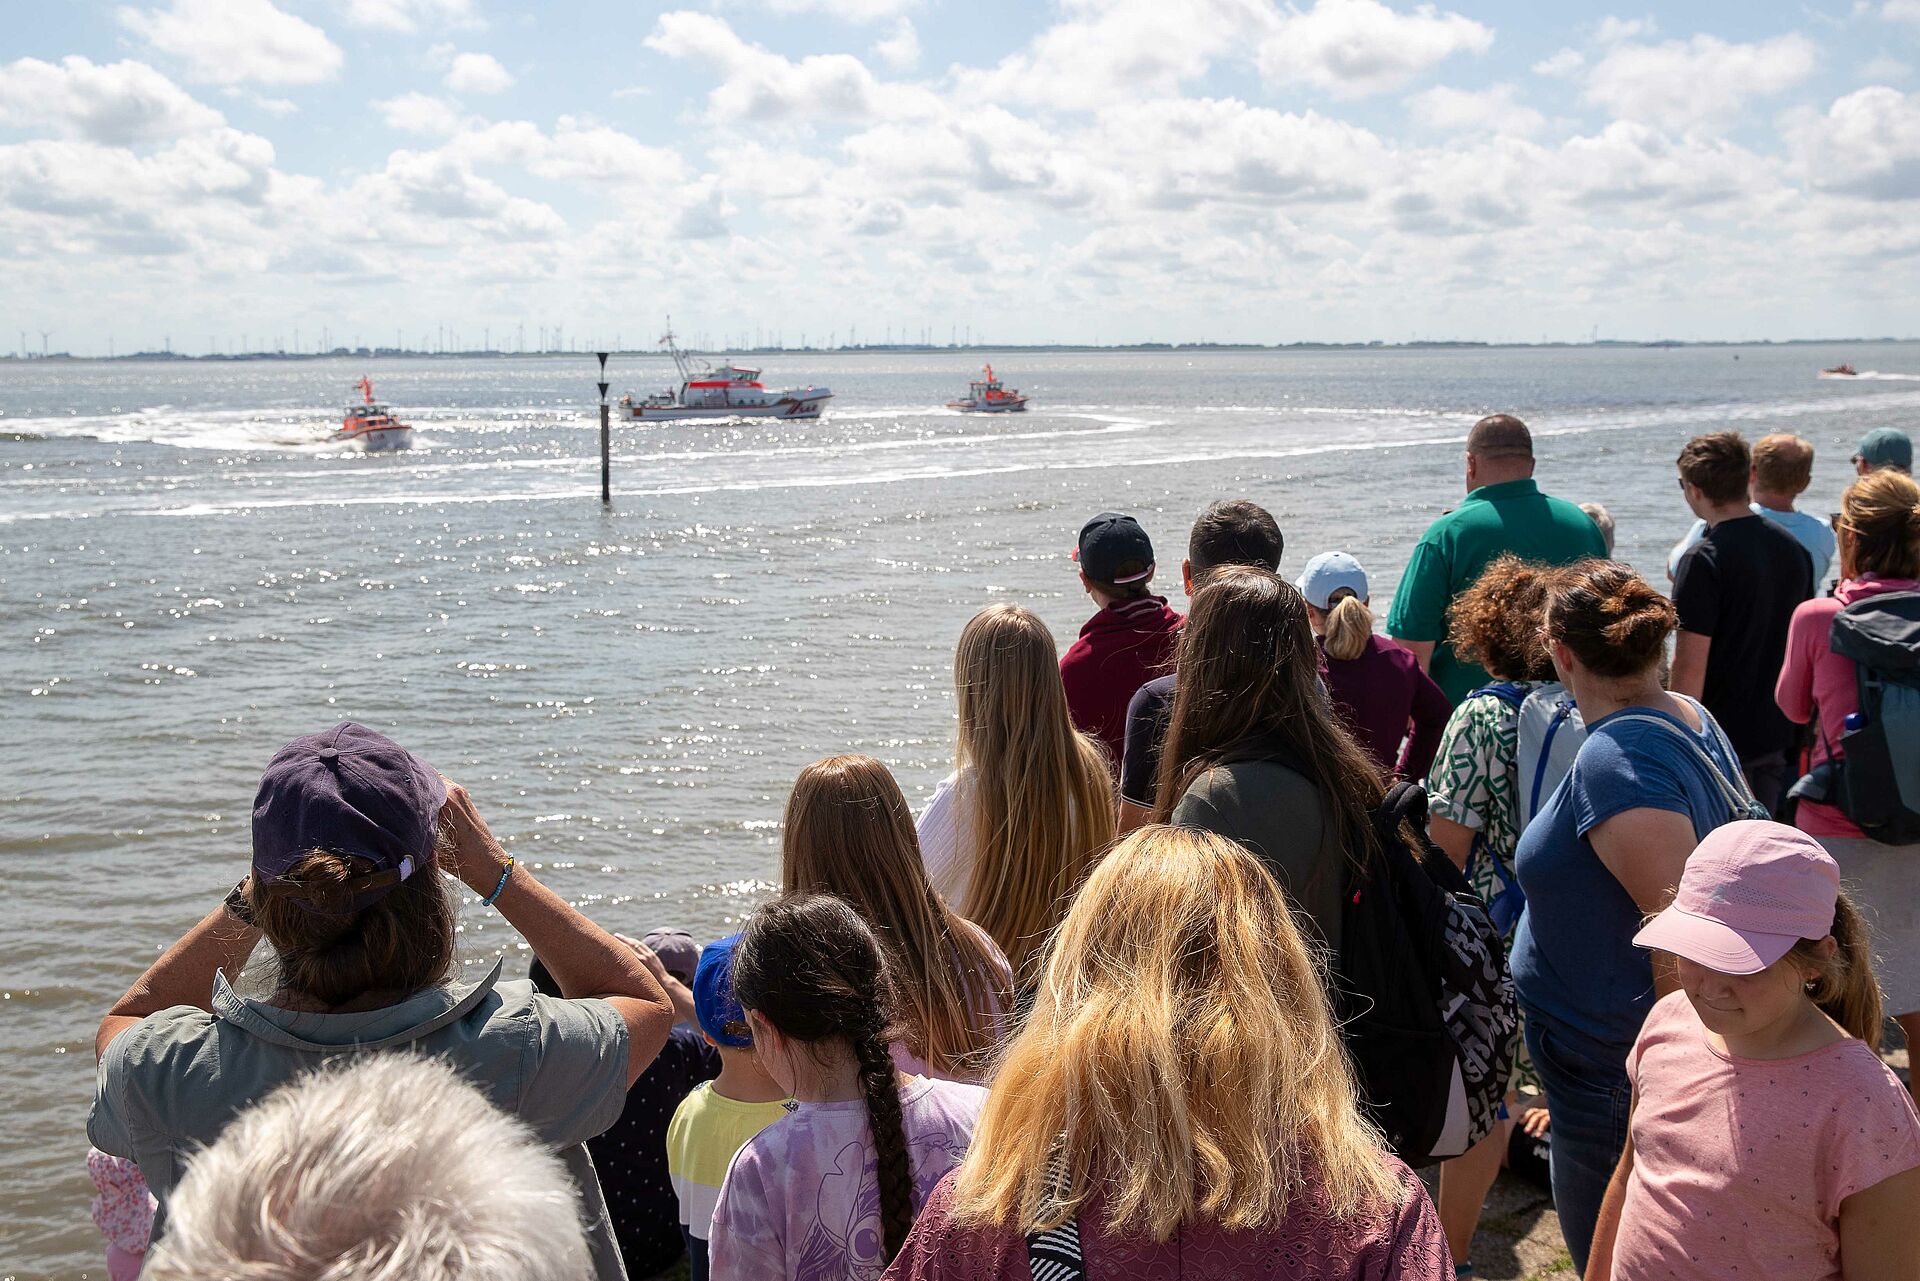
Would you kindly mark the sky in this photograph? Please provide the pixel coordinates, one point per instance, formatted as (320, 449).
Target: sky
(202, 172)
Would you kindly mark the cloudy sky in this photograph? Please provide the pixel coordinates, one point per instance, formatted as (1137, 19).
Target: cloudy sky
(1110, 170)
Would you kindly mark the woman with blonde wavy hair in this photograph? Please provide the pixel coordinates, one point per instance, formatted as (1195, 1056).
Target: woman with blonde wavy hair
(1178, 1102)
(849, 833)
(1879, 535)
(1030, 805)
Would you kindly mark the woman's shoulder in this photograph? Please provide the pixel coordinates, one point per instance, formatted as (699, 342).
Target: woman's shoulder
(939, 1097)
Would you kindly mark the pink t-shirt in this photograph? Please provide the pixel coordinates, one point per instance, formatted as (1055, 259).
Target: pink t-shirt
(1814, 676)
(802, 1198)
(1399, 1243)
(1740, 1165)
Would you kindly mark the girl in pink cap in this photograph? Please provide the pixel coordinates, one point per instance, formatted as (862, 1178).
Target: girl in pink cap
(1767, 1138)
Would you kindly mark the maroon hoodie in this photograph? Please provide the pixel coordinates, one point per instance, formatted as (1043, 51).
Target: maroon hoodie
(1120, 649)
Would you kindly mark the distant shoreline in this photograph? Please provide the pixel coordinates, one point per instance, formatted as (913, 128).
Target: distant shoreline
(400, 353)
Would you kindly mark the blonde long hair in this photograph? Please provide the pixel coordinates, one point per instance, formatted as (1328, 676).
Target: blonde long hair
(1879, 526)
(1042, 803)
(850, 833)
(1180, 1057)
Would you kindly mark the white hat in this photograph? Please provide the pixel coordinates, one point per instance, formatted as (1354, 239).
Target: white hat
(1327, 573)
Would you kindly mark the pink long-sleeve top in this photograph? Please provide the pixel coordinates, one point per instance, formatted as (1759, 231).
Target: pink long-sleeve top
(1814, 677)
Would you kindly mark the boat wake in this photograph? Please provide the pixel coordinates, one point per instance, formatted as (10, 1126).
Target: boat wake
(1871, 375)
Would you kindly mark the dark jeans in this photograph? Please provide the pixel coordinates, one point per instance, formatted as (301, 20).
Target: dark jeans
(1767, 776)
(1590, 1101)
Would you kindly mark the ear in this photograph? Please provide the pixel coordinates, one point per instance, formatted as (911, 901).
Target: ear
(1186, 575)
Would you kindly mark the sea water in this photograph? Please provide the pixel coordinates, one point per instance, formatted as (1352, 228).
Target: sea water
(191, 575)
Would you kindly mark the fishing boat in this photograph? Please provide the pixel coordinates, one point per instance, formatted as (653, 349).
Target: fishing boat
(725, 391)
(987, 396)
(1839, 371)
(371, 425)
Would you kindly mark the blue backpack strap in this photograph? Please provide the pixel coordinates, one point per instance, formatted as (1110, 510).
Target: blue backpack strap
(1506, 691)
(1561, 714)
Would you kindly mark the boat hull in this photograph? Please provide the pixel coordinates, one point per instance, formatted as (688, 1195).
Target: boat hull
(376, 440)
(989, 407)
(789, 407)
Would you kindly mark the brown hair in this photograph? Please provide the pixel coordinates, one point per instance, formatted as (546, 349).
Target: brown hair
(1233, 532)
(849, 832)
(1496, 622)
(1042, 805)
(1879, 526)
(1843, 984)
(810, 966)
(1782, 463)
(1614, 623)
(1717, 464)
(403, 943)
(1500, 436)
(1249, 670)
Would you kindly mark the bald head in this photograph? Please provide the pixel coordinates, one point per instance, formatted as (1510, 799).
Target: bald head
(1499, 449)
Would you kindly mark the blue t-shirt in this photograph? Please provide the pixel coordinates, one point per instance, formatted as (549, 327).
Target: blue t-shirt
(1574, 962)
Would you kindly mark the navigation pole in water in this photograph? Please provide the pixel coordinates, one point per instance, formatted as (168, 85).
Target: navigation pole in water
(606, 476)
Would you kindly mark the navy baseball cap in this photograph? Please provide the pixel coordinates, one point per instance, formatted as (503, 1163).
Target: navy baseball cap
(348, 790)
(1114, 549)
(714, 1003)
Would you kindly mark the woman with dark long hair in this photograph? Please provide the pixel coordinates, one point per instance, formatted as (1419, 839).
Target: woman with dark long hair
(1254, 753)
(830, 1190)
(849, 833)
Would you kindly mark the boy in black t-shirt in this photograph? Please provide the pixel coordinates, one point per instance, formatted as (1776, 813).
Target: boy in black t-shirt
(1736, 591)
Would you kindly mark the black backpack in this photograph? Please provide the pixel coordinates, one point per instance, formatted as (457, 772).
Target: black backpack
(1877, 781)
(1423, 991)
(1420, 985)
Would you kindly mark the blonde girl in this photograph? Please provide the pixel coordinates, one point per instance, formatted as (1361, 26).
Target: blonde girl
(1179, 1092)
(1030, 804)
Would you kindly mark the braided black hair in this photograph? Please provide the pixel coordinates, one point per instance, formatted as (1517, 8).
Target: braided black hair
(808, 964)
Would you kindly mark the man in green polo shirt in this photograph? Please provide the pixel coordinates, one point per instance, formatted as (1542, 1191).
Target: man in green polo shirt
(1504, 512)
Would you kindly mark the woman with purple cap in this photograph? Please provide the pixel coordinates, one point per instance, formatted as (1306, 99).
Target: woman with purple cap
(350, 833)
(1767, 1139)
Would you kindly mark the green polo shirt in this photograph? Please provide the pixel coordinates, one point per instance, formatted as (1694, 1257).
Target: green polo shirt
(1510, 517)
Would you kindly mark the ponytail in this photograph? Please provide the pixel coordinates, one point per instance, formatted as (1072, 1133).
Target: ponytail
(1349, 626)
(1844, 986)
(809, 965)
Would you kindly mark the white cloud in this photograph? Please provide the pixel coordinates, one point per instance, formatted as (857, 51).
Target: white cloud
(1614, 30)
(477, 73)
(438, 185)
(119, 104)
(846, 10)
(420, 113)
(759, 85)
(411, 15)
(1352, 48)
(1494, 110)
(900, 49)
(1561, 65)
(1184, 152)
(1883, 68)
(236, 41)
(1867, 144)
(1901, 10)
(1702, 81)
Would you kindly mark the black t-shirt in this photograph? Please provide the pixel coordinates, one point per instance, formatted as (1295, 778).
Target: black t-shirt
(1740, 585)
(1146, 730)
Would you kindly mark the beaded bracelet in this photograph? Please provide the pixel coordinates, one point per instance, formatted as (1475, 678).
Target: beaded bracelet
(499, 889)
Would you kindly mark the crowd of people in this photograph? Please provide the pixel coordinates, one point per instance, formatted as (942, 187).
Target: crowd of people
(1092, 1013)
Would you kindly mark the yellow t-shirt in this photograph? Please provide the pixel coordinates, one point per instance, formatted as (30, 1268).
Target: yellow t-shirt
(706, 1130)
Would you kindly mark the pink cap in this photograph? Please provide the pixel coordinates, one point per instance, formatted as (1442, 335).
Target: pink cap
(1750, 891)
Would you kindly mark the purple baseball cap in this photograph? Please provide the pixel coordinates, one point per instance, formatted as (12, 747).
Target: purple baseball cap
(347, 790)
(1750, 891)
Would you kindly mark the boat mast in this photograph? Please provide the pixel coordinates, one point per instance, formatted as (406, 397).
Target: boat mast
(673, 349)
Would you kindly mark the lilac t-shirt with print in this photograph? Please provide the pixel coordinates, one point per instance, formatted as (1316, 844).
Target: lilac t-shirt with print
(802, 1198)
